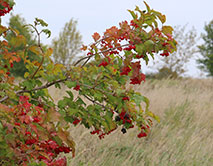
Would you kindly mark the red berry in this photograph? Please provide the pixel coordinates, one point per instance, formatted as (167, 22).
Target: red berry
(77, 87)
(17, 124)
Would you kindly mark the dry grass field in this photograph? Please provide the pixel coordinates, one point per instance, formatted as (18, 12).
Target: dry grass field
(184, 137)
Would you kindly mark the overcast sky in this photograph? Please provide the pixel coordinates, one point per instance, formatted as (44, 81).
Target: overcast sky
(97, 15)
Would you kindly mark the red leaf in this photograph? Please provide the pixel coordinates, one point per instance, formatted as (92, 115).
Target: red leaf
(96, 36)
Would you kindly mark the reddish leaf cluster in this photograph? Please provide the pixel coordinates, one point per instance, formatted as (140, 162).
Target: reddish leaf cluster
(27, 118)
(137, 76)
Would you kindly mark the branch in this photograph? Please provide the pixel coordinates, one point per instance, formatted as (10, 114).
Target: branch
(88, 57)
(47, 85)
(39, 44)
(35, 89)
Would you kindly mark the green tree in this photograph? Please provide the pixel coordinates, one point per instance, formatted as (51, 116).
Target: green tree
(175, 65)
(206, 50)
(17, 22)
(67, 46)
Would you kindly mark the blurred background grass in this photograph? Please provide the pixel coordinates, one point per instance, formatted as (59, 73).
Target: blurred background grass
(184, 137)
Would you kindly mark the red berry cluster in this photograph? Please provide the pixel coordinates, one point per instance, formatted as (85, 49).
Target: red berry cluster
(8, 69)
(100, 133)
(76, 121)
(4, 8)
(125, 98)
(139, 56)
(105, 62)
(77, 87)
(132, 23)
(62, 149)
(138, 79)
(144, 131)
(131, 47)
(125, 70)
(165, 53)
(125, 117)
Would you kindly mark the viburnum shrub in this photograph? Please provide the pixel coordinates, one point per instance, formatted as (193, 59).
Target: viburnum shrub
(34, 128)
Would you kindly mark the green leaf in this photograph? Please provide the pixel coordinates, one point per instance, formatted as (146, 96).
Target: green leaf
(40, 22)
(160, 16)
(80, 101)
(70, 84)
(61, 104)
(133, 14)
(140, 48)
(149, 44)
(138, 98)
(47, 32)
(147, 6)
(97, 57)
(70, 94)
(72, 111)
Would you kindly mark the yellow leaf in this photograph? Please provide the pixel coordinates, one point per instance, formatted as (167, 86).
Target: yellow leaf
(26, 75)
(18, 41)
(84, 48)
(64, 136)
(49, 52)
(2, 29)
(167, 30)
(45, 155)
(35, 49)
(53, 115)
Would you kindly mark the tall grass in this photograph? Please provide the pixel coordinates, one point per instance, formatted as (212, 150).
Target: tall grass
(184, 137)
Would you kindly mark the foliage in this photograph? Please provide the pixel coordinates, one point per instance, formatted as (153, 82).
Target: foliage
(186, 50)
(67, 46)
(206, 49)
(17, 23)
(38, 126)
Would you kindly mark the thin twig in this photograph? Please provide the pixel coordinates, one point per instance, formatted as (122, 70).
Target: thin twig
(95, 102)
(101, 52)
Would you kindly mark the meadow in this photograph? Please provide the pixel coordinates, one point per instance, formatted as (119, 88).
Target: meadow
(184, 137)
